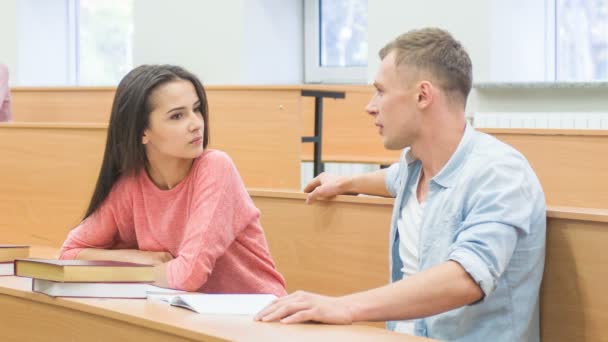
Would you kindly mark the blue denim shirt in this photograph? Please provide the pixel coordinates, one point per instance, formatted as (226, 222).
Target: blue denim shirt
(485, 210)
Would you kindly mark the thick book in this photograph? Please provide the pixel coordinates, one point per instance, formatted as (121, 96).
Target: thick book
(220, 304)
(84, 270)
(8, 253)
(90, 290)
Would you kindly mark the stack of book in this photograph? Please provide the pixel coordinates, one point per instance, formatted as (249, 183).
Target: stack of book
(86, 278)
(8, 254)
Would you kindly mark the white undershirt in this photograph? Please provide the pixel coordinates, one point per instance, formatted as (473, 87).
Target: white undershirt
(408, 226)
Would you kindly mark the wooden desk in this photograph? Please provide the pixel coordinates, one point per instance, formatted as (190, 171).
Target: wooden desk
(348, 237)
(305, 239)
(28, 316)
(574, 301)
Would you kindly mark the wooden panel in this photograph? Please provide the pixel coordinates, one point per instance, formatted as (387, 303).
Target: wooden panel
(259, 127)
(569, 163)
(331, 247)
(24, 320)
(574, 301)
(261, 132)
(275, 117)
(349, 134)
(48, 174)
(62, 104)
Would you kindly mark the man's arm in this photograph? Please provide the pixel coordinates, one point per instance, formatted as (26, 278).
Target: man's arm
(327, 185)
(441, 288)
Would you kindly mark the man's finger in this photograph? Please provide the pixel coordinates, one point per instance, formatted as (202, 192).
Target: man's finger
(299, 317)
(313, 184)
(274, 305)
(284, 311)
(316, 194)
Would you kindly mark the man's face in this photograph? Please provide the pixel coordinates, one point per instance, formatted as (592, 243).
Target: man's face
(394, 105)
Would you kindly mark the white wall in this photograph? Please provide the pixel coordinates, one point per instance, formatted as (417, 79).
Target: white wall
(389, 18)
(8, 37)
(223, 42)
(521, 48)
(273, 42)
(485, 28)
(260, 42)
(45, 48)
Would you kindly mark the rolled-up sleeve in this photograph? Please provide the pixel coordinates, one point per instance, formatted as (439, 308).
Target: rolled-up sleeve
(500, 212)
(484, 252)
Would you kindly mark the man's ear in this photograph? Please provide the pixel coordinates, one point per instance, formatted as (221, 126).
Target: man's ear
(425, 94)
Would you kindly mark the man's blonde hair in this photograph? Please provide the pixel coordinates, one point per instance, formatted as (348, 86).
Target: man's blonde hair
(437, 52)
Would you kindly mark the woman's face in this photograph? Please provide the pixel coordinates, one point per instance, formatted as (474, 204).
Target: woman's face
(176, 126)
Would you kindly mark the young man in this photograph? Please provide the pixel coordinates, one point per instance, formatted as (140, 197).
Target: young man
(467, 240)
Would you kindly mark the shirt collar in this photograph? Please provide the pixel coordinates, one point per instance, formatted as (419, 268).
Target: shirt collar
(446, 177)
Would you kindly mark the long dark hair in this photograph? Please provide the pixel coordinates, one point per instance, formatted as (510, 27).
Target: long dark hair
(125, 153)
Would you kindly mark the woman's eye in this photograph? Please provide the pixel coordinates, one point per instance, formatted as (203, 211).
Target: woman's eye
(198, 110)
(176, 116)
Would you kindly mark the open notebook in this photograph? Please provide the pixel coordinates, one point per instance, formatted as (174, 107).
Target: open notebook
(220, 304)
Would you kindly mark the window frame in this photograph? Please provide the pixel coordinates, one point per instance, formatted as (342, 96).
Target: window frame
(313, 71)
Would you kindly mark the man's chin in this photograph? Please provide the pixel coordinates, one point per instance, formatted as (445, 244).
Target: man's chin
(391, 145)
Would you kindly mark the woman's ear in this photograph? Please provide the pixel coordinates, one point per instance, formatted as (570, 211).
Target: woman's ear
(144, 138)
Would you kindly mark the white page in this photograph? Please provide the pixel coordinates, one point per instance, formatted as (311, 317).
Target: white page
(226, 304)
(161, 293)
(6, 268)
(92, 290)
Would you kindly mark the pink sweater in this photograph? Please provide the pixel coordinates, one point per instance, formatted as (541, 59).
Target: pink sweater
(207, 222)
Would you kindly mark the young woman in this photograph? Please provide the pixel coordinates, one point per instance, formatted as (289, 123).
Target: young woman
(163, 199)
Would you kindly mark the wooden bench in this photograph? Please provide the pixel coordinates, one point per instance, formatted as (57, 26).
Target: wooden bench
(48, 173)
(333, 247)
(340, 246)
(568, 163)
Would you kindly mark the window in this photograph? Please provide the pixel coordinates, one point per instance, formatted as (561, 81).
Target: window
(581, 43)
(553, 40)
(105, 31)
(336, 41)
(74, 42)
